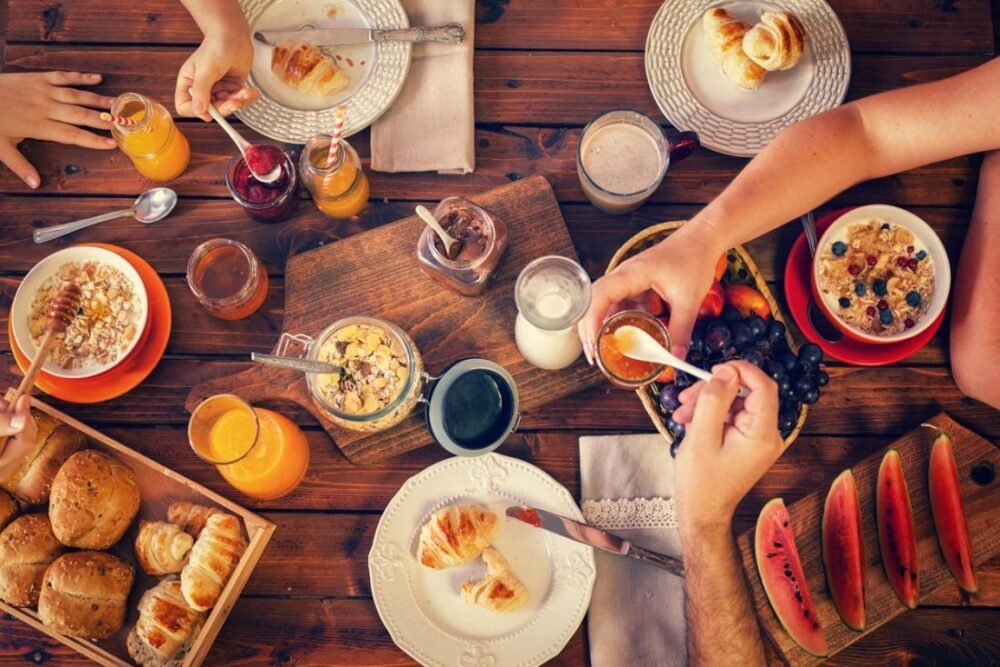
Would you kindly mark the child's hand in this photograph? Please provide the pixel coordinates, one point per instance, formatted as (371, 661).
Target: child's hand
(215, 73)
(21, 428)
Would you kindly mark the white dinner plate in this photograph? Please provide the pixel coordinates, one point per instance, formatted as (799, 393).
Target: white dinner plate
(423, 609)
(693, 94)
(377, 71)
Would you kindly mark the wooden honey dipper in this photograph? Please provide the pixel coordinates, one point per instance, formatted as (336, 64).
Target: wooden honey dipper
(62, 311)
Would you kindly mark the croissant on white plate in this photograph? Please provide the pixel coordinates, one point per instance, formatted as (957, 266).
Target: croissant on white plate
(777, 42)
(500, 590)
(455, 535)
(215, 555)
(306, 69)
(724, 34)
(162, 548)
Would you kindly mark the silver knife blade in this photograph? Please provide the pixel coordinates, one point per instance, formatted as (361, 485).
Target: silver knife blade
(594, 537)
(316, 36)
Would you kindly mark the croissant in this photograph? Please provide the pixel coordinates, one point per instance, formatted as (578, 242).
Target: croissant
(455, 535)
(304, 67)
(190, 517)
(165, 628)
(213, 559)
(777, 42)
(500, 590)
(724, 35)
(162, 548)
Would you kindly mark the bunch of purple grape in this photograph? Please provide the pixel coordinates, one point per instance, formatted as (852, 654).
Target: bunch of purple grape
(762, 343)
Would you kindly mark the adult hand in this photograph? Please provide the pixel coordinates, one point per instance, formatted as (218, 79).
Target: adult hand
(680, 269)
(39, 105)
(215, 74)
(21, 428)
(729, 444)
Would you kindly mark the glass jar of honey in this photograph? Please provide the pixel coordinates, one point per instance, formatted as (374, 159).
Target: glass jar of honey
(625, 372)
(339, 189)
(227, 279)
(154, 144)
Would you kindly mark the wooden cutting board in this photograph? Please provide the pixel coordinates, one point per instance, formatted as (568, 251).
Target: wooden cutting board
(376, 273)
(978, 461)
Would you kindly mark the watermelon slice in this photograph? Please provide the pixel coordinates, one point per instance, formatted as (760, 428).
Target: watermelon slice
(949, 513)
(784, 581)
(844, 550)
(898, 542)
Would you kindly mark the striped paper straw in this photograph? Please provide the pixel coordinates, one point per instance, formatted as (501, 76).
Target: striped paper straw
(119, 120)
(338, 130)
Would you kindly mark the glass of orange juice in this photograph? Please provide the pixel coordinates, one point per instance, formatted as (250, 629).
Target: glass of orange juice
(258, 452)
(154, 144)
(339, 189)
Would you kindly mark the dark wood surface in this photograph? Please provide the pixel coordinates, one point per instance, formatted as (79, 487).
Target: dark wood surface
(543, 69)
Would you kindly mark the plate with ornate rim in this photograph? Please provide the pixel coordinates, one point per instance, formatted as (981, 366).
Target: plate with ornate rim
(693, 94)
(423, 609)
(377, 70)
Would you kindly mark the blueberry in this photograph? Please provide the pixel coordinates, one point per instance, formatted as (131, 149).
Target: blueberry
(822, 379)
(878, 286)
(884, 227)
(669, 397)
(839, 248)
(921, 255)
(758, 325)
(913, 298)
(810, 353)
(885, 317)
(844, 302)
(775, 330)
(859, 288)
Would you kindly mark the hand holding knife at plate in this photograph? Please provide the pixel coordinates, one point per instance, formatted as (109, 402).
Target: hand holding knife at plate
(451, 33)
(581, 532)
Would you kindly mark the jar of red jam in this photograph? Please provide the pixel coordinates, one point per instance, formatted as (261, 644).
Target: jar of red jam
(625, 372)
(482, 240)
(264, 202)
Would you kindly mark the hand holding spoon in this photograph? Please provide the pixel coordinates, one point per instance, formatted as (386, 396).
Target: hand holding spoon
(637, 344)
(447, 239)
(149, 207)
(256, 160)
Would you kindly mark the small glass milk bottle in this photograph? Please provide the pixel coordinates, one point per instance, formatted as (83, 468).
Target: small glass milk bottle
(340, 189)
(552, 295)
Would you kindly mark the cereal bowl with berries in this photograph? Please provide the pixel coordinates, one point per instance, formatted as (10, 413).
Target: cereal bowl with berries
(881, 274)
(113, 313)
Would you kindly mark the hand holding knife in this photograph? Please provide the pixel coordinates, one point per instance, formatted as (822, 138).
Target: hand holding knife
(451, 33)
(599, 539)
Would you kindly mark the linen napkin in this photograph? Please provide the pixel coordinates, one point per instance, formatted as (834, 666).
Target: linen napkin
(431, 125)
(636, 616)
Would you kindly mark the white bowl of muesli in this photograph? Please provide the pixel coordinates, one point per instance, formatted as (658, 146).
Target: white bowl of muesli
(881, 274)
(112, 316)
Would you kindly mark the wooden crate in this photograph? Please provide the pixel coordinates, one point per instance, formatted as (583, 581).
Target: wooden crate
(159, 486)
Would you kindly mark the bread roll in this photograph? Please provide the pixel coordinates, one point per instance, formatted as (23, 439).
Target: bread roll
(84, 594)
(777, 42)
(306, 69)
(162, 548)
(9, 509)
(455, 535)
(500, 590)
(166, 627)
(54, 443)
(724, 35)
(213, 559)
(190, 517)
(94, 499)
(27, 547)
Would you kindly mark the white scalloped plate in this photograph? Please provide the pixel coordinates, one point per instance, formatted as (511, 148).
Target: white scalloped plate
(377, 71)
(423, 609)
(693, 94)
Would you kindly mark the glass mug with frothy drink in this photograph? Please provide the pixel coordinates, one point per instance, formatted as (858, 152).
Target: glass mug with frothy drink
(622, 158)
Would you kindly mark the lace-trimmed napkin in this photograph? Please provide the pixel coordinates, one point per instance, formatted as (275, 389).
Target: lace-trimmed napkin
(636, 614)
(431, 125)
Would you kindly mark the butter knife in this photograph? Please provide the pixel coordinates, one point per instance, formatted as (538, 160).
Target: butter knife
(584, 534)
(452, 33)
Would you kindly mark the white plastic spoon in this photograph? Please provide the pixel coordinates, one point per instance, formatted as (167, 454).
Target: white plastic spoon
(244, 146)
(635, 343)
(447, 239)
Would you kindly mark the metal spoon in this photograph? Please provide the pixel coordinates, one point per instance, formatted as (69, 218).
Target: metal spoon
(243, 145)
(635, 343)
(304, 365)
(447, 239)
(820, 323)
(151, 206)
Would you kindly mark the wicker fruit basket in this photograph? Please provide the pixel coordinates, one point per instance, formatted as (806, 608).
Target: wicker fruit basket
(740, 270)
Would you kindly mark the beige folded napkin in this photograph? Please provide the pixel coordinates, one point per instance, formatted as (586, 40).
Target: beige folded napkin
(431, 125)
(636, 616)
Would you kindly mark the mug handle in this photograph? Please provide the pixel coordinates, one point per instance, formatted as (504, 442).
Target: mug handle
(681, 145)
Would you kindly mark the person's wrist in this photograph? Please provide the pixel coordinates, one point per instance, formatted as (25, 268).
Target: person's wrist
(703, 232)
(703, 528)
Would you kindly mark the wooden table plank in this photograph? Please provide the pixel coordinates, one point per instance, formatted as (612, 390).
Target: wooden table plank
(901, 26)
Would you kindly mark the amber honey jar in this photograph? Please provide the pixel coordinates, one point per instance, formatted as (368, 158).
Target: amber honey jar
(625, 372)
(227, 279)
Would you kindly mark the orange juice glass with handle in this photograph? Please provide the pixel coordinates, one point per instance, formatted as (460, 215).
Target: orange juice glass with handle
(151, 139)
(339, 189)
(258, 452)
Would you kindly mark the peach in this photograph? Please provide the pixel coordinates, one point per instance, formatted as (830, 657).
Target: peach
(747, 300)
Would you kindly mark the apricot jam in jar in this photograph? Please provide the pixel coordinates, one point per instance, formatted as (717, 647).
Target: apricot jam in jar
(621, 371)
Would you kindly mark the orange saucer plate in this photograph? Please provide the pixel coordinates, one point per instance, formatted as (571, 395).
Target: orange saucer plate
(135, 368)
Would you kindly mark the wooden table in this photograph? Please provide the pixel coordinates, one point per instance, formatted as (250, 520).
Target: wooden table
(543, 69)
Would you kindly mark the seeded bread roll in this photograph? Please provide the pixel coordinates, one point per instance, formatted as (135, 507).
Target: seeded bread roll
(54, 444)
(8, 509)
(166, 627)
(27, 547)
(94, 499)
(84, 594)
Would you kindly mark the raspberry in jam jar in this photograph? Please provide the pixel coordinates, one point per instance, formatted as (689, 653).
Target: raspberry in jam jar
(264, 202)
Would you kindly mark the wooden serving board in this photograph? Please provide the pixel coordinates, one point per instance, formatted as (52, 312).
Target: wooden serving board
(981, 496)
(376, 273)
